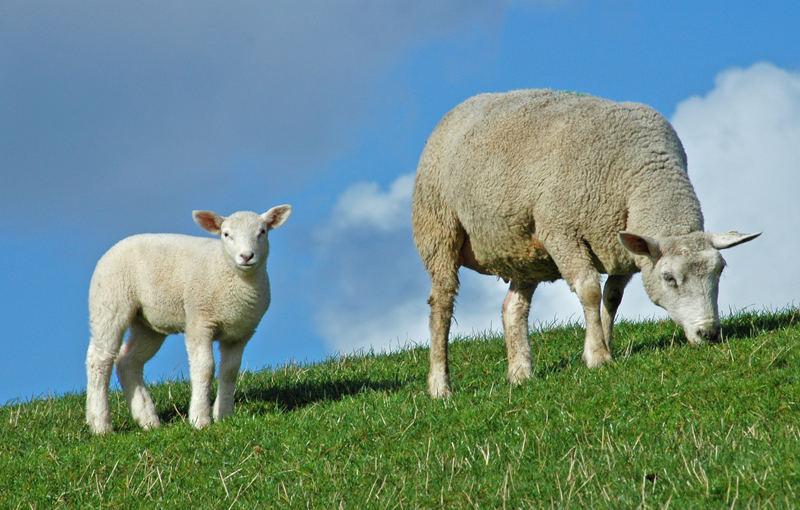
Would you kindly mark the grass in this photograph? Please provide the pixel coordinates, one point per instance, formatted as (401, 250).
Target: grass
(667, 425)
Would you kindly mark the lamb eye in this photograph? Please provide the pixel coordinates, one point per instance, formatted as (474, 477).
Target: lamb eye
(670, 279)
(226, 235)
(262, 231)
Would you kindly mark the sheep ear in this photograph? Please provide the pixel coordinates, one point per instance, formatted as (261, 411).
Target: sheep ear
(210, 221)
(640, 245)
(732, 238)
(276, 216)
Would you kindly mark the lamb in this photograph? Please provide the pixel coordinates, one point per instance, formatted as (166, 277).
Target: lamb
(537, 185)
(159, 284)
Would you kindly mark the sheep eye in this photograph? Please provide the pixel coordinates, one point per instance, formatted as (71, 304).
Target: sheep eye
(226, 235)
(670, 279)
(262, 231)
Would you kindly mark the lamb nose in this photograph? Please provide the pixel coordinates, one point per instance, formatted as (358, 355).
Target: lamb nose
(246, 256)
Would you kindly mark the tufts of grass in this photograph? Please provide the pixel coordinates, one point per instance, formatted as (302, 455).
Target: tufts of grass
(667, 425)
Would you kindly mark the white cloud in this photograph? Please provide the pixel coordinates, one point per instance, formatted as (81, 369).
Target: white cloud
(400, 325)
(370, 267)
(378, 286)
(364, 204)
(742, 140)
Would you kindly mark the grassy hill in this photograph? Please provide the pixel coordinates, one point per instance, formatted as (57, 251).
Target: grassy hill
(668, 425)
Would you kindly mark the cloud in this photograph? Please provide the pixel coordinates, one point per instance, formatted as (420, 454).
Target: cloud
(369, 267)
(741, 139)
(363, 204)
(109, 107)
(378, 286)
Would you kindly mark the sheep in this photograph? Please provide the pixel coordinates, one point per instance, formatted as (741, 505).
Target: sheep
(160, 284)
(537, 185)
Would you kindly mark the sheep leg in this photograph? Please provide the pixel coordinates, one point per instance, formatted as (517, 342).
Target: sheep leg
(443, 293)
(516, 308)
(199, 346)
(229, 363)
(142, 345)
(587, 287)
(575, 265)
(104, 345)
(612, 297)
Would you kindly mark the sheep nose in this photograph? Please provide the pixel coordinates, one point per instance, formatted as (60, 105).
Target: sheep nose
(246, 256)
(710, 333)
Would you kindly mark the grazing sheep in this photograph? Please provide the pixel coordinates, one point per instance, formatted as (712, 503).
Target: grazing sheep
(159, 284)
(536, 185)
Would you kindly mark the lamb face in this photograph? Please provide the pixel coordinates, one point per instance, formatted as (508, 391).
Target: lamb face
(244, 235)
(244, 239)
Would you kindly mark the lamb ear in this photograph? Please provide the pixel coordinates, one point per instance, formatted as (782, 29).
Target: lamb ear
(640, 245)
(732, 238)
(210, 221)
(276, 216)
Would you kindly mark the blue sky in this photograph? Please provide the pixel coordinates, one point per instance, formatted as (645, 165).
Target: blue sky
(117, 119)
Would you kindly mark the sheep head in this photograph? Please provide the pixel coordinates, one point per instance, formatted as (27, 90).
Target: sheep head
(681, 274)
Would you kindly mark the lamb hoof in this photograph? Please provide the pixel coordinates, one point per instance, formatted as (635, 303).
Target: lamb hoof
(150, 424)
(100, 428)
(200, 423)
(222, 412)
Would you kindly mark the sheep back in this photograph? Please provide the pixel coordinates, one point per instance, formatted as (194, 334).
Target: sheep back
(514, 173)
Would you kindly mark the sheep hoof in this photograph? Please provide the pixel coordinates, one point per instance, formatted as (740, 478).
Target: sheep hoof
(597, 359)
(440, 392)
(439, 387)
(518, 374)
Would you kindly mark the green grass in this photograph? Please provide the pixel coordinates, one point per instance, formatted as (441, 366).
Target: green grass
(668, 425)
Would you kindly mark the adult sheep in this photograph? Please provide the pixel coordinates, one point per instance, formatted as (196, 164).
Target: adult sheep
(159, 284)
(536, 185)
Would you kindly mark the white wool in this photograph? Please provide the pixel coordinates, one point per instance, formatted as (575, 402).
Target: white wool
(158, 284)
(536, 185)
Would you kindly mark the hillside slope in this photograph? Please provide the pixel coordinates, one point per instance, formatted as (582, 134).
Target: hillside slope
(669, 424)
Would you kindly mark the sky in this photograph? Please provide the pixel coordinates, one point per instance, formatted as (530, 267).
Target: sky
(121, 118)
